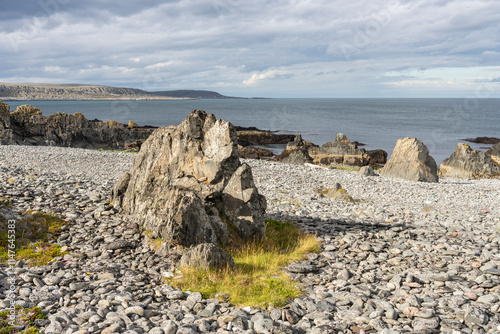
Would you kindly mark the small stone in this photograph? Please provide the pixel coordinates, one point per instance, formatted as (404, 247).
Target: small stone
(344, 275)
(135, 310)
(470, 295)
(488, 299)
(262, 325)
(175, 294)
(421, 324)
(475, 316)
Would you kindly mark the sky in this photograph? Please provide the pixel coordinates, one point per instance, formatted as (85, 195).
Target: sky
(279, 48)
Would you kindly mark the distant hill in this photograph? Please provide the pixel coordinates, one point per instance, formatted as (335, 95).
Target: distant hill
(35, 91)
(23, 91)
(194, 94)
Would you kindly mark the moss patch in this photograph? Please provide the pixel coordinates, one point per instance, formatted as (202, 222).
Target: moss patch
(258, 279)
(24, 316)
(35, 235)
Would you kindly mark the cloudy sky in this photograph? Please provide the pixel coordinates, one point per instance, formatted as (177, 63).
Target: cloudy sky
(279, 48)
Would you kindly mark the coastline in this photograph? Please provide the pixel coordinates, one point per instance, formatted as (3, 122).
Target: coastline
(402, 249)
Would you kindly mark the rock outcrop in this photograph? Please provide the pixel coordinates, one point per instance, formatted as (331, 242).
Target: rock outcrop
(470, 164)
(339, 152)
(410, 160)
(188, 186)
(27, 126)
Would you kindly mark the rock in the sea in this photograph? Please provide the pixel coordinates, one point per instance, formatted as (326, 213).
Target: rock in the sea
(254, 152)
(470, 164)
(207, 256)
(27, 126)
(187, 184)
(341, 151)
(410, 160)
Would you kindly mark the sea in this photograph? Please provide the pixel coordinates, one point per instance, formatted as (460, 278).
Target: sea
(441, 123)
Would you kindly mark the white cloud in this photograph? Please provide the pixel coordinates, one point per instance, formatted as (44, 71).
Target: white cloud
(315, 48)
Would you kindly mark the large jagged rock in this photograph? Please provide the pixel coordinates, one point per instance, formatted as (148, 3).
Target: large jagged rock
(410, 160)
(27, 126)
(188, 186)
(470, 164)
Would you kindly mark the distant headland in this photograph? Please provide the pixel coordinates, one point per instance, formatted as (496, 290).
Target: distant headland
(41, 91)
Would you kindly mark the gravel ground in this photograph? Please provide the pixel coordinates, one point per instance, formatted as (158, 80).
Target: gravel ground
(401, 257)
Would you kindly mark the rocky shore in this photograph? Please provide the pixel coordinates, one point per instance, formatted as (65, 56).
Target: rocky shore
(399, 257)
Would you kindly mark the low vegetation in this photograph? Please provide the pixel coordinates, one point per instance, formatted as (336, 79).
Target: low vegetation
(24, 316)
(258, 279)
(35, 233)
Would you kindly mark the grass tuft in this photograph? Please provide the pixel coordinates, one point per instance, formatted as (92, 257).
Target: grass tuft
(258, 280)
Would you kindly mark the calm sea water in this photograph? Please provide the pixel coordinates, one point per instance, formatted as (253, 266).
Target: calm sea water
(439, 123)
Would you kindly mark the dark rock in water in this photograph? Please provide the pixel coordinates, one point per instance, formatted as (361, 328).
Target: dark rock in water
(410, 160)
(187, 183)
(253, 136)
(207, 256)
(298, 157)
(468, 163)
(27, 126)
(483, 140)
(254, 152)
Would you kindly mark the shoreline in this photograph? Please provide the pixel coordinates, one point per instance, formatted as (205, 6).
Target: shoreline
(399, 257)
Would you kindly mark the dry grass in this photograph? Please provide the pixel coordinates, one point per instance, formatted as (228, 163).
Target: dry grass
(258, 279)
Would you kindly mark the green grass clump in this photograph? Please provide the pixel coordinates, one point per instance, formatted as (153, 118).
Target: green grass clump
(24, 316)
(258, 279)
(35, 232)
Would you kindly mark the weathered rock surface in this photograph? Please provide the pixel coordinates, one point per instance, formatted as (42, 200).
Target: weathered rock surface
(471, 164)
(207, 256)
(27, 126)
(187, 183)
(410, 160)
(494, 153)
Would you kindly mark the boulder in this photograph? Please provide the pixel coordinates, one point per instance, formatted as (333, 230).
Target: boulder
(207, 256)
(410, 160)
(376, 157)
(187, 185)
(470, 164)
(366, 171)
(298, 157)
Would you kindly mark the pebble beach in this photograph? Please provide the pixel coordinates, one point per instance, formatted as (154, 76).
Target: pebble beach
(400, 257)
